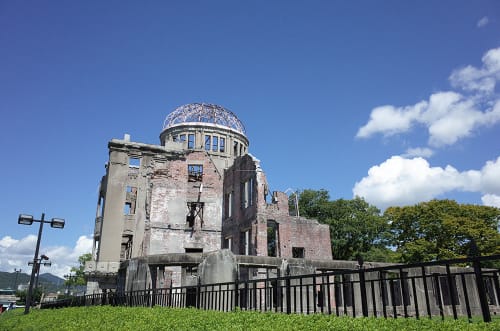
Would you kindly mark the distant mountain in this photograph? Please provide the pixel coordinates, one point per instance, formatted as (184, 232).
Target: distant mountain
(48, 281)
(50, 278)
(8, 279)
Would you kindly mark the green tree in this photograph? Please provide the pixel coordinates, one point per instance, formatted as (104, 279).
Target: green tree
(442, 229)
(78, 275)
(356, 227)
(35, 297)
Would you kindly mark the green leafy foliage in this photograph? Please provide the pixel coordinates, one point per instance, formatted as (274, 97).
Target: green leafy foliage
(150, 319)
(356, 227)
(442, 229)
(78, 277)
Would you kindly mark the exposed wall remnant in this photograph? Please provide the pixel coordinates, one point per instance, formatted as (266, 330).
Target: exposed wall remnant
(196, 192)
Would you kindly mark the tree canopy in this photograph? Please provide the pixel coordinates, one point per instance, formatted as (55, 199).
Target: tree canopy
(434, 230)
(442, 229)
(356, 227)
(79, 276)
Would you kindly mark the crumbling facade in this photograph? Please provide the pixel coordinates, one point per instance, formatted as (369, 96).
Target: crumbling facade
(196, 192)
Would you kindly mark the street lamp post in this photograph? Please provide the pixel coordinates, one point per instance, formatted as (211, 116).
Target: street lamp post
(39, 264)
(24, 219)
(69, 279)
(17, 274)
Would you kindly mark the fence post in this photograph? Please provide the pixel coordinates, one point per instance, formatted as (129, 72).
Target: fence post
(362, 286)
(481, 290)
(236, 292)
(170, 303)
(288, 295)
(198, 293)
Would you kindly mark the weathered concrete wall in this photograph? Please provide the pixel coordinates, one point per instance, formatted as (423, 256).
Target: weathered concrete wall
(171, 193)
(218, 267)
(313, 237)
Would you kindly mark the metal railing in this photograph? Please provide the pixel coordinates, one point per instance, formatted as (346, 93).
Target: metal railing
(458, 288)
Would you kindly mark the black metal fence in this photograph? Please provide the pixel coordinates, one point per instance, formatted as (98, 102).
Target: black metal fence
(459, 288)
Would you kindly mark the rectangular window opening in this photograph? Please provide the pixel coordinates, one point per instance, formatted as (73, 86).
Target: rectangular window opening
(195, 212)
(191, 141)
(227, 243)
(298, 252)
(222, 145)
(195, 172)
(228, 205)
(245, 242)
(272, 238)
(235, 148)
(246, 192)
(127, 208)
(134, 162)
(207, 143)
(215, 143)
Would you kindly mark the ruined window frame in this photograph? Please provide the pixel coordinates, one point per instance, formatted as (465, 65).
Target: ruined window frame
(228, 243)
(228, 205)
(245, 242)
(127, 208)
(235, 148)
(272, 233)
(195, 211)
(195, 172)
(246, 192)
(298, 252)
(215, 143)
(134, 161)
(222, 144)
(191, 141)
(208, 142)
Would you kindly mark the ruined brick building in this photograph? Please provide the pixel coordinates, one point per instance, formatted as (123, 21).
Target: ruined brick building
(196, 192)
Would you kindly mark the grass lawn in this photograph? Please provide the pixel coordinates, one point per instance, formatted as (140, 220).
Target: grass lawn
(125, 318)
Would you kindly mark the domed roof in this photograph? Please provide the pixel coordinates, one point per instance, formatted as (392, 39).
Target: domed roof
(204, 113)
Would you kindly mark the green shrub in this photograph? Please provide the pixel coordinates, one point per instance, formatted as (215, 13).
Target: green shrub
(137, 319)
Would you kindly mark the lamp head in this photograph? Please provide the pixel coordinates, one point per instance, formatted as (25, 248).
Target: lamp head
(25, 219)
(57, 223)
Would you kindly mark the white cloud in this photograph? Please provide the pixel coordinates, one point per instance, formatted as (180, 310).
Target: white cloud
(483, 22)
(418, 151)
(448, 116)
(481, 79)
(490, 180)
(491, 200)
(402, 181)
(15, 253)
(390, 120)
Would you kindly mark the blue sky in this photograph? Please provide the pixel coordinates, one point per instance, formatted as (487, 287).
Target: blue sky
(392, 100)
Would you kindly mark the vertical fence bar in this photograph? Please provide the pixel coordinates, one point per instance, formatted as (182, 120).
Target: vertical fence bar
(426, 292)
(466, 298)
(497, 287)
(329, 295)
(383, 289)
(393, 297)
(451, 290)
(236, 292)
(438, 294)
(374, 300)
(288, 295)
(198, 292)
(415, 299)
(362, 288)
(404, 291)
(353, 303)
(483, 300)
(315, 297)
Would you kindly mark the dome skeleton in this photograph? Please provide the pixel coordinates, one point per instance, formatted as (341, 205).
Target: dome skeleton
(204, 113)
